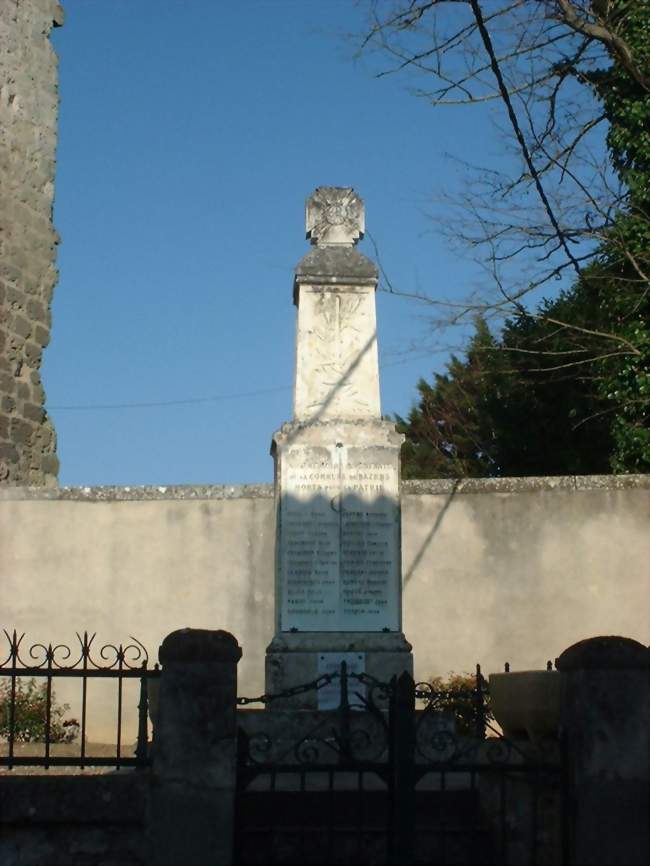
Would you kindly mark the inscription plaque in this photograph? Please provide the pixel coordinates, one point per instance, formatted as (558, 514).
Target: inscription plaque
(339, 539)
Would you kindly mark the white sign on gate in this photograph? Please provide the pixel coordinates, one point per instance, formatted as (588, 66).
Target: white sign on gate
(329, 697)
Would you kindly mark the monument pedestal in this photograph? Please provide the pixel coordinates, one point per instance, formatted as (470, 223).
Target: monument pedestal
(296, 658)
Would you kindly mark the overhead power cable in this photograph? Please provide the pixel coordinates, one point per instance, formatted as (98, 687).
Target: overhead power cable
(153, 404)
(195, 401)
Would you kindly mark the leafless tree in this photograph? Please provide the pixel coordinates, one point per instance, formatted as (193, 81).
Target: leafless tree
(541, 223)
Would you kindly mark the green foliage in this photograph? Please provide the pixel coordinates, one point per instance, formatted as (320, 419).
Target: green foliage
(505, 412)
(625, 252)
(450, 432)
(456, 694)
(626, 101)
(555, 422)
(30, 714)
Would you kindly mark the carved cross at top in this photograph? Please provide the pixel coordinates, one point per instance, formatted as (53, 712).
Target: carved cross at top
(334, 217)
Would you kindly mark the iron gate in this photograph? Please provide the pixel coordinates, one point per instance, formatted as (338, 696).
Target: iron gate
(379, 781)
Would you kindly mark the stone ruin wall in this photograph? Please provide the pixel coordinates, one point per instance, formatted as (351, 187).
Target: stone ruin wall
(28, 134)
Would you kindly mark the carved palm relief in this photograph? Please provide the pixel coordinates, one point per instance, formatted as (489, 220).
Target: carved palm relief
(340, 344)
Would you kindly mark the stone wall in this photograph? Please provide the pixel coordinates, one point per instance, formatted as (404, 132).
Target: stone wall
(494, 570)
(97, 819)
(28, 133)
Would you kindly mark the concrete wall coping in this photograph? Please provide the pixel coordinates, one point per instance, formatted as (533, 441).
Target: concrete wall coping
(429, 486)
(529, 484)
(129, 493)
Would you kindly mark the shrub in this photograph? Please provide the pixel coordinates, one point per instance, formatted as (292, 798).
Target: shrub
(30, 714)
(456, 694)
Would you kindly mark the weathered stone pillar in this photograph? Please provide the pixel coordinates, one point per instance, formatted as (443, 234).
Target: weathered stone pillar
(28, 130)
(191, 808)
(606, 720)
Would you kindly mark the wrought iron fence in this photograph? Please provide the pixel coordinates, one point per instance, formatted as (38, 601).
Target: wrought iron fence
(401, 773)
(29, 713)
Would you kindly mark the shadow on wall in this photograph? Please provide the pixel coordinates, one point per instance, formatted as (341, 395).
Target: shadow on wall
(437, 523)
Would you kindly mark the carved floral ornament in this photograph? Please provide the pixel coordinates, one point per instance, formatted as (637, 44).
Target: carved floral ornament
(334, 217)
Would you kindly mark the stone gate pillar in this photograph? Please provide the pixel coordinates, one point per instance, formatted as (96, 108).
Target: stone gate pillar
(191, 807)
(606, 720)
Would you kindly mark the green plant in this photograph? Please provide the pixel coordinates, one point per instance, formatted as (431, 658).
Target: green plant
(457, 694)
(30, 714)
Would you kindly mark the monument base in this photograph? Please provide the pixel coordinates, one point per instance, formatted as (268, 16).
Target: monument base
(293, 659)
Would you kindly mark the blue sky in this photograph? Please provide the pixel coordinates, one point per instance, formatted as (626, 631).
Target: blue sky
(190, 133)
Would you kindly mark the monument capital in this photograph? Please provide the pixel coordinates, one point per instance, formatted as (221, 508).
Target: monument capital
(334, 217)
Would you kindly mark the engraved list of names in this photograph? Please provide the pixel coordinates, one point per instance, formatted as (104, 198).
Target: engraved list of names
(339, 539)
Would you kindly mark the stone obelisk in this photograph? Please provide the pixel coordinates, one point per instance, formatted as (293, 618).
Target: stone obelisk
(337, 472)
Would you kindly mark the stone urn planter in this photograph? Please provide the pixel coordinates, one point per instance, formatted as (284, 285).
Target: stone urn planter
(526, 703)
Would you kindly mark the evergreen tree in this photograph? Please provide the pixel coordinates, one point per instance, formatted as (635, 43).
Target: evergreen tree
(505, 411)
(555, 422)
(450, 432)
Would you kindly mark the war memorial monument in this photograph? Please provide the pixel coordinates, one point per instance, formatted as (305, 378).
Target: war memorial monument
(337, 472)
